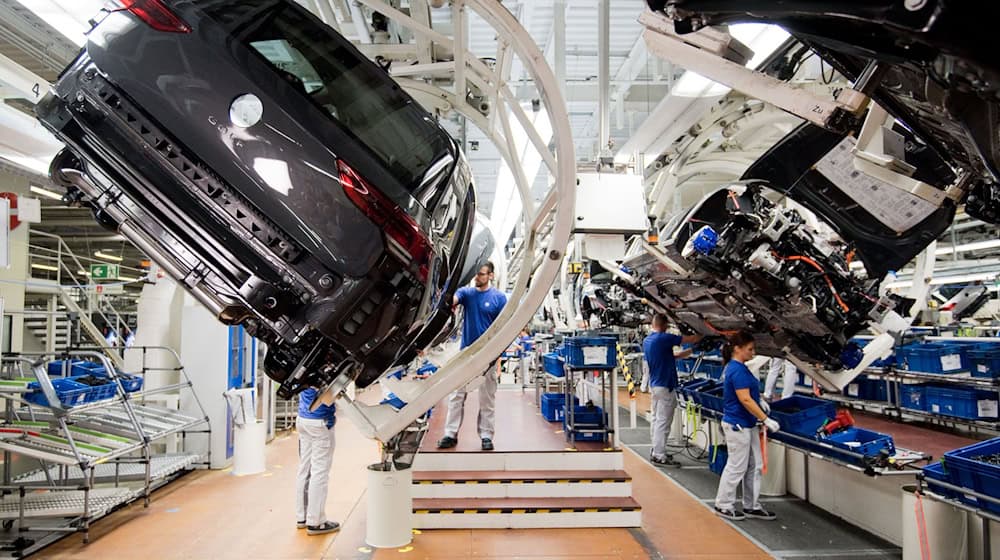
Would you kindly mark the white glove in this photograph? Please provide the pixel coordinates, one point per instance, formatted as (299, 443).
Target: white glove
(765, 407)
(772, 425)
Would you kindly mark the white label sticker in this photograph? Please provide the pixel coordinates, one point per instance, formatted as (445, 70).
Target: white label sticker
(892, 206)
(987, 408)
(981, 368)
(951, 362)
(595, 355)
(852, 390)
(935, 408)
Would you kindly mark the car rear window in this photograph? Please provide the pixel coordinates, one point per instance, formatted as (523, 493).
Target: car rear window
(353, 91)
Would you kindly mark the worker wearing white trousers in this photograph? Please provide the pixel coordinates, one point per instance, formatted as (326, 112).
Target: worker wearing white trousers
(742, 412)
(658, 350)
(482, 305)
(787, 371)
(316, 445)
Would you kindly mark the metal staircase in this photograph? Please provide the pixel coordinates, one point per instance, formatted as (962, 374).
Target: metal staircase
(70, 302)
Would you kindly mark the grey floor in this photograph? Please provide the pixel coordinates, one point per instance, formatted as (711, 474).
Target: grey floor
(801, 529)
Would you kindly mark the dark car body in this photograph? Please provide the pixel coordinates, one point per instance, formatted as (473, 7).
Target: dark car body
(281, 177)
(772, 272)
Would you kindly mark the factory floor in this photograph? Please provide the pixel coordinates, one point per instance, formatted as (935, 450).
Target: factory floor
(215, 515)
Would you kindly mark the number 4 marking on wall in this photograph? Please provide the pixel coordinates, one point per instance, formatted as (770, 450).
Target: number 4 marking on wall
(35, 89)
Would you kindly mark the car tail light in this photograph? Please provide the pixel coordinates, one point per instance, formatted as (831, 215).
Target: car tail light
(153, 13)
(401, 230)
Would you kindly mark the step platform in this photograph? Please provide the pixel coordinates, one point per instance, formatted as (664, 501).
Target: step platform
(532, 478)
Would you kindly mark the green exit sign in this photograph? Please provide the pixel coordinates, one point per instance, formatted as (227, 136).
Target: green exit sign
(103, 271)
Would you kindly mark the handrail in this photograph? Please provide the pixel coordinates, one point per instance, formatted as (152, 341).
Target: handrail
(107, 312)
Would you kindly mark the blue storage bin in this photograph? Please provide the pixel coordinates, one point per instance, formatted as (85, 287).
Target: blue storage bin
(961, 402)
(984, 361)
(131, 383)
(865, 442)
(711, 397)
(976, 475)
(934, 357)
(585, 352)
(585, 417)
(712, 370)
(878, 390)
(690, 389)
(69, 392)
(717, 458)
(802, 415)
(685, 365)
(937, 471)
(553, 406)
(553, 364)
(912, 396)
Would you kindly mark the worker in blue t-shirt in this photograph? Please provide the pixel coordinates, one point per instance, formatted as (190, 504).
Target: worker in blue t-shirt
(482, 305)
(742, 412)
(658, 349)
(316, 444)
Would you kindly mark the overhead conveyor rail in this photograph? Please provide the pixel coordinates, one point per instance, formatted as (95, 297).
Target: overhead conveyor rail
(546, 224)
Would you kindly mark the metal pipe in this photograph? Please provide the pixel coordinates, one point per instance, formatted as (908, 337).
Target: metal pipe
(559, 38)
(604, 76)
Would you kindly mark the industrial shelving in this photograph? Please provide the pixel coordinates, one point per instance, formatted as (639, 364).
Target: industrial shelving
(106, 442)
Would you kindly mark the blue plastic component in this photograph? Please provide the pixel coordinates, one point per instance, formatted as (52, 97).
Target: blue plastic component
(865, 442)
(717, 458)
(585, 417)
(705, 240)
(851, 355)
(553, 406)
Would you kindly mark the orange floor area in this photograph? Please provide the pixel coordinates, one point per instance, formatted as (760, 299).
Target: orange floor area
(215, 515)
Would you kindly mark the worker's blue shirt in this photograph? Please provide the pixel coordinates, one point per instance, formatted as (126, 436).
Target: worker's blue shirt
(326, 412)
(481, 309)
(738, 376)
(659, 351)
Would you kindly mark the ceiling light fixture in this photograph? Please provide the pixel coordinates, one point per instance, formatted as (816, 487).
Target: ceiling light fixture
(128, 278)
(106, 256)
(45, 192)
(45, 267)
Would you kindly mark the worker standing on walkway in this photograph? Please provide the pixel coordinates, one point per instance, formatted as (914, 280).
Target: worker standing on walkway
(482, 304)
(742, 412)
(316, 444)
(787, 371)
(658, 349)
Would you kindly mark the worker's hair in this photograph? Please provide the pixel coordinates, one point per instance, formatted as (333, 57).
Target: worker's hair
(660, 320)
(738, 338)
(489, 265)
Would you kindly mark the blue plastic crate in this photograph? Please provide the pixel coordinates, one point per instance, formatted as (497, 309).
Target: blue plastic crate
(976, 475)
(553, 364)
(712, 370)
(717, 458)
(865, 442)
(912, 396)
(962, 402)
(802, 415)
(937, 471)
(984, 361)
(685, 365)
(585, 417)
(879, 390)
(585, 352)
(69, 392)
(130, 383)
(934, 357)
(691, 388)
(711, 397)
(553, 406)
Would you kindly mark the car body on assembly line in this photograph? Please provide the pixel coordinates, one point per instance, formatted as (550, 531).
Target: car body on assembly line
(773, 251)
(281, 177)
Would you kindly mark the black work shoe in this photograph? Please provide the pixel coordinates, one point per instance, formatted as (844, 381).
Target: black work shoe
(323, 528)
(760, 514)
(300, 524)
(730, 514)
(667, 461)
(487, 444)
(446, 442)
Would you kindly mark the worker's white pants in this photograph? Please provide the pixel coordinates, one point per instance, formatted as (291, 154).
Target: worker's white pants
(487, 407)
(787, 370)
(644, 384)
(742, 465)
(316, 443)
(664, 406)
